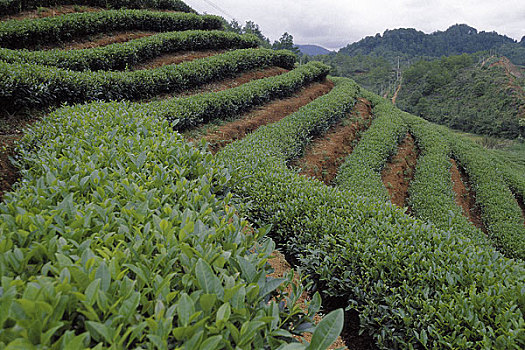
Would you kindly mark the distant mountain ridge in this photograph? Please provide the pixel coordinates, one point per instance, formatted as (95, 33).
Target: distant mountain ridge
(313, 50)
(457, 39)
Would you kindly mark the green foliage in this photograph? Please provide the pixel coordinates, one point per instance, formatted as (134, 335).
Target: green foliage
(285, 43)
(123, 235)
(361, 171)
(410, 43)
(18, 34)
(500, 212)
(371, 72)
(29, 85)
(188, 112)
(249, 27)
(431, 192)
(415, 286)
(457, 92)
(123, 55)
(14, 6)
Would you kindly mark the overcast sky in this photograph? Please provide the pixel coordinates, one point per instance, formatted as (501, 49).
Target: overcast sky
(335, 23)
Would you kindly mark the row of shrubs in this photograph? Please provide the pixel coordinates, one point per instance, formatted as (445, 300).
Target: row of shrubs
(30, 85)
(414, 286)
(431, 194)
(361, 170)
(185, 113)
(122, 235)
(121, 56)
(27, 33)
(500, 212)
(15, 6)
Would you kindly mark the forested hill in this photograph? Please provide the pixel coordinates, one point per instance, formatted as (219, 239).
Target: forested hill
(458, 39)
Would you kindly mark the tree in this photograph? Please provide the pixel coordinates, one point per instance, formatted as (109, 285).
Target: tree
(286, 43)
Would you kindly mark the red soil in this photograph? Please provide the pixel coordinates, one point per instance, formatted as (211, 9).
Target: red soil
(99, 40)
(325, 154)
(229, 83)
(465, 195)
(269, 113)
(394, 98)
(8, 172)
(399, 172)
(50, 12)
(176, 58)
(521, 204)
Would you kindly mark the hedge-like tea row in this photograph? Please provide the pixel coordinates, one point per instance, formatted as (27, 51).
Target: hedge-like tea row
(499, 210)
(29, 85)
(15, 6)
(17, 34)
(123, 55)
(415, 286)
(361, 170)
(185, 113)
(431, 191)
(122, 235)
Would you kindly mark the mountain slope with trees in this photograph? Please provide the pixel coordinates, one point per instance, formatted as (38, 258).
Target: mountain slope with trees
(457, 39)
(460, 92)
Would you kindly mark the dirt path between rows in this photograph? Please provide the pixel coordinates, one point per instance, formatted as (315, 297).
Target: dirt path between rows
(399, 172)
(229, 83)
(394, 98)
(266, 114)
(465, 195)
(97, 40)
(9, 174)
(521, 203)
(326, 153)
(176, 58)
(50, 12)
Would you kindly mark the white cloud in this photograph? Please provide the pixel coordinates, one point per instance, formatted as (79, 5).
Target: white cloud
(334, 24)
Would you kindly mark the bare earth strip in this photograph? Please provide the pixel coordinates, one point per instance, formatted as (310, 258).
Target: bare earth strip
(266, 114)
(521, 204)
(399, 172)
(465, 196)
(50, 12)
(326, 153)
(176, 58)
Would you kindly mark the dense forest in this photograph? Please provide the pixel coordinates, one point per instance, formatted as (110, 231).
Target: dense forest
(460, 38)
(466, 92)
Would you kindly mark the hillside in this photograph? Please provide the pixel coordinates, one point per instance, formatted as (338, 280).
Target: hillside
(464, 93)
(409, 43)
(313, 50)
(169, 179)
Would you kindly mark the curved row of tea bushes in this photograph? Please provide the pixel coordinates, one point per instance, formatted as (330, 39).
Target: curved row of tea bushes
(361, 170)
(121, 56)
(30, 85)
(185, 113)
(17, 34)
(122, 235)
(15, 6)
(499, 210)
(431, 191)
(414, 285)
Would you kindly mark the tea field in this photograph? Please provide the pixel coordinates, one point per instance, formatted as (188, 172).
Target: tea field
(152, 178)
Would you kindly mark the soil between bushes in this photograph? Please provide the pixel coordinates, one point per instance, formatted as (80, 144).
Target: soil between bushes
(326, 153)
(399, 172)
(465, 195)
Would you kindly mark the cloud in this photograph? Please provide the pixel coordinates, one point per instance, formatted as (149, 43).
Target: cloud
(334, 24)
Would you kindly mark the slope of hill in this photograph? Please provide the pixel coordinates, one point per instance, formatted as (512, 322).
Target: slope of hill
(313, 50)
(409, 43)
(481, 97)
(126, 231)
